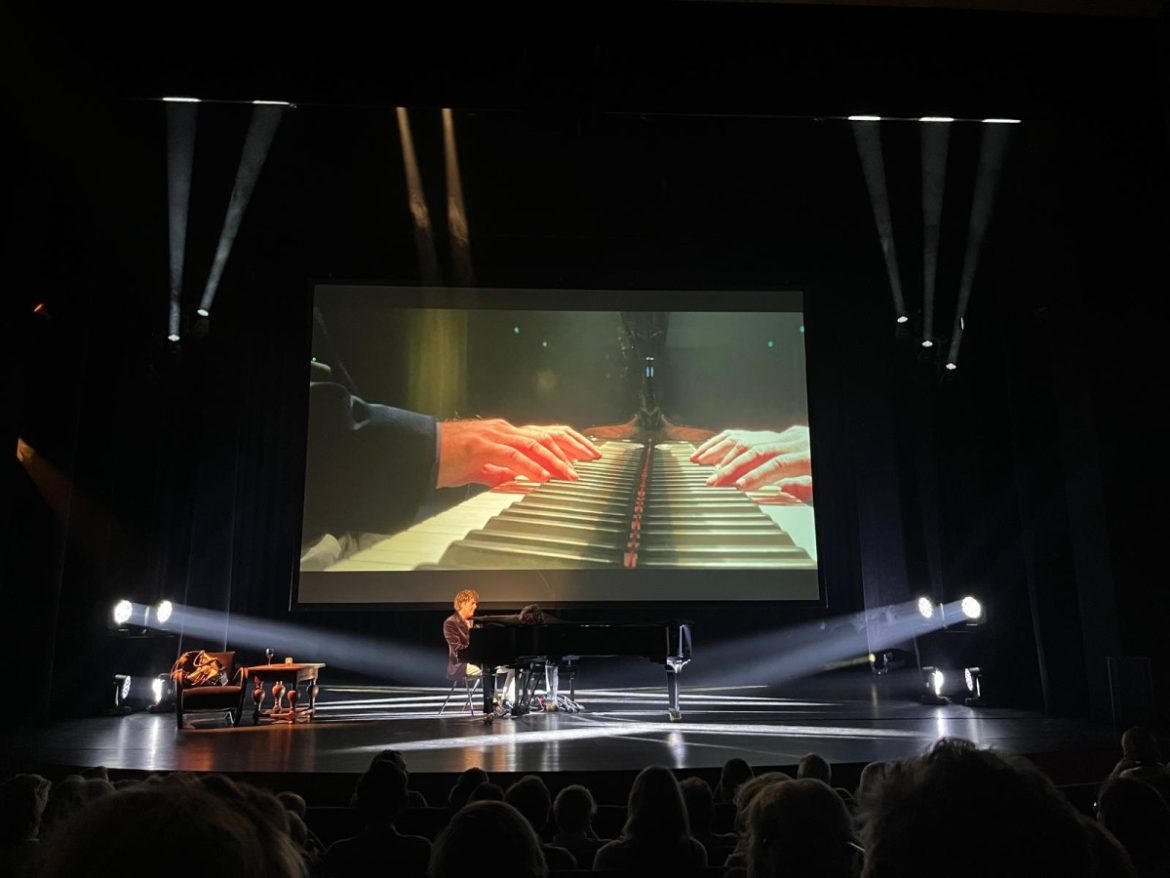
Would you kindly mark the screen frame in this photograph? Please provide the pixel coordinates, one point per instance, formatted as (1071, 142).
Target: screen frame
(790, 297)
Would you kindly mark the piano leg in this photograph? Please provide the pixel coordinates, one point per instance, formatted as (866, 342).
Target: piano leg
(489, 691)
(672, 692)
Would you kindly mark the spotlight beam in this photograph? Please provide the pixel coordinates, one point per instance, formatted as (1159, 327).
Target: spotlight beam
(456, 209)
(379, 658)
(802, 650)
(261, 131)
(181, 120)
(869, 149)
(935, 140)
(992, 150)
(424, 239)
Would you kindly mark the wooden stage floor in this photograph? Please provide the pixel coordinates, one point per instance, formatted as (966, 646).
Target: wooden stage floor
(622, 730)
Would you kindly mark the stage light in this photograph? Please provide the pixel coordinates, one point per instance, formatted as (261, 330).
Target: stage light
(951, 367)
(162, 611)
(927, 343)
(973, 677)
(156, 689)
(902, 318)
(936, 119)
(202, 312)
(123, 610)
(864, 118)
(1001, 121)
(173, 337)
(271, 103)
(183, 100)
(933, 681)
(925, 608)
(971, 608)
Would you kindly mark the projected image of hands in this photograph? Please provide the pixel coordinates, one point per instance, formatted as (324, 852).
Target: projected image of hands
(493, 452)
(753, 459)
(519, 439)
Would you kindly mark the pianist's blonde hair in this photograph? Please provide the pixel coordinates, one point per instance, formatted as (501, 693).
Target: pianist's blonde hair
(466, 596)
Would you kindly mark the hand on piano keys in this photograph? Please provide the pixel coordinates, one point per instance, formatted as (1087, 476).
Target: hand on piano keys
(751, 459)
(492, 452)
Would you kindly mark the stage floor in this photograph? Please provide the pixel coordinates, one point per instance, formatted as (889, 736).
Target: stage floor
(621, 730)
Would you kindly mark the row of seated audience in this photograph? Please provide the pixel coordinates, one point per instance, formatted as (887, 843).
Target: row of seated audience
(956, 810)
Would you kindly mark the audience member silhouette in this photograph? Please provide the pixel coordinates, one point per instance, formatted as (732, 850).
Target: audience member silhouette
(655, 838)
(414, 799)
(1109, 859)
(700, 804)
(573, 813)
(464, 785)
(137, 833)
(492, 829)
(22, 802)
(744, 797)
(67, 797)
(872, 775)
(815, 767)
(487, 792)
(1138, 818)
(1014, 821)
(531, 798)
(1139, 748)
(379, 799)
(800, 828)
(735, 772)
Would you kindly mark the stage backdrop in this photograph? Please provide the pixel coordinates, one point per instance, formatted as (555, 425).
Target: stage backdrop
(649, 448)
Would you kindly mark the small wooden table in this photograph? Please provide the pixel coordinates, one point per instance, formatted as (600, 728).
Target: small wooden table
(298, 672)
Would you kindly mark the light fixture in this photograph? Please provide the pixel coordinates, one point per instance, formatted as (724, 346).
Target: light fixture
(123, 610)
(973, 677)
(122, 686)
(934, 681)
(864, 118)
(972, 609)
(927, 343)
(163, 610)
(925, 608)
(271, 104)
(951, 367)
(183, 100)
(202, 312)
(174, 336)
(902, 318)
(936, 119)
(1001, 121)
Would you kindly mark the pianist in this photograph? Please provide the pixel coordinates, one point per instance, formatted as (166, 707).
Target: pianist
(457, 633)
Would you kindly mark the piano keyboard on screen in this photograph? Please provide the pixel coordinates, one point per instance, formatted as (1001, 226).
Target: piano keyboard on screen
(641, 505)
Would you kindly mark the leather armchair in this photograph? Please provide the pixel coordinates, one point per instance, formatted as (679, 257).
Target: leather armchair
(229, 698)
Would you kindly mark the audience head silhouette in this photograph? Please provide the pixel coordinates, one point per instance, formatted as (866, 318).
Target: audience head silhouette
(815, 767)
(1017, 822)
(1138, 817)
(574, 809)
(487, 827)
(531, 798)
(799, 828)
(134, 832)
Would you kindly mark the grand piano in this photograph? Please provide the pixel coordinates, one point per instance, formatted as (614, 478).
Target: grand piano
(524, 647)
